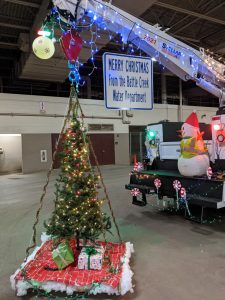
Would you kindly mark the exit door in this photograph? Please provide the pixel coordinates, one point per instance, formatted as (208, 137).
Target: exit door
(104, 147)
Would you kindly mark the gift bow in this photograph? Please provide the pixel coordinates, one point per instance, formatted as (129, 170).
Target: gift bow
(90, 251)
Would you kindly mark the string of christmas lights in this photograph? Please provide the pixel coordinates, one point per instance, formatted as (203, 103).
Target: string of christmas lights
(141, 34)
(77, 207)
(105, 18)
(190, 188)
(53, 30)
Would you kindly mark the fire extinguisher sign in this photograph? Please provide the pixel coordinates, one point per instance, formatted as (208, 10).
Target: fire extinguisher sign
(128, 82)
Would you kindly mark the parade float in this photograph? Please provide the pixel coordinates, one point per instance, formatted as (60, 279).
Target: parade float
(75, 256)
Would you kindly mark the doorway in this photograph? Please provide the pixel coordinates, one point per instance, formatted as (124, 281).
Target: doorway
(137, 143)
(104, 147)
(10, 153)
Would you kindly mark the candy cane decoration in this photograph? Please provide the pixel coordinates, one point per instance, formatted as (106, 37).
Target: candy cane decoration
(138, 167)
(157, 183)
(209, 173)
(177, 187)
(183, 195)
(135, 192)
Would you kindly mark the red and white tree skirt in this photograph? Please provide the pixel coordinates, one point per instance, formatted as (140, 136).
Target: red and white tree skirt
(41, 269)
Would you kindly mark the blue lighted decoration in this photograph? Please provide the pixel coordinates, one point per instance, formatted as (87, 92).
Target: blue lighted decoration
(74, 76)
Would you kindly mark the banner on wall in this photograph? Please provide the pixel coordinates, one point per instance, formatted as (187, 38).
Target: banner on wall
(128, 82)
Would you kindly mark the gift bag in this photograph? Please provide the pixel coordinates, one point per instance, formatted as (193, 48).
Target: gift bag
(63, 255)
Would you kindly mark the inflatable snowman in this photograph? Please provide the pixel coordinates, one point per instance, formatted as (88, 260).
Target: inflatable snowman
(194, 158)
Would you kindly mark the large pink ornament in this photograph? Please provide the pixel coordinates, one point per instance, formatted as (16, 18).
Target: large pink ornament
(71, 44)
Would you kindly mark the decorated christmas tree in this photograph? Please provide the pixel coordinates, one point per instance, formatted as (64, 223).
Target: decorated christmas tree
(77, 207)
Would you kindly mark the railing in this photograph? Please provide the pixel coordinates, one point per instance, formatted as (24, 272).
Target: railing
(62, 90)
(191, 101)
(43, 90)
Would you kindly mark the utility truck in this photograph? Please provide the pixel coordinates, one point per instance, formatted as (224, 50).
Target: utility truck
(188, 64)
(163, 151)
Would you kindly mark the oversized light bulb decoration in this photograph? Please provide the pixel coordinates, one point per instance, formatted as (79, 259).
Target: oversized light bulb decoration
(43, 47)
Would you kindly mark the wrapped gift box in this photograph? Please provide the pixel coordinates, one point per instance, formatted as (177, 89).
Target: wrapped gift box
(63, 255)
(91, 258)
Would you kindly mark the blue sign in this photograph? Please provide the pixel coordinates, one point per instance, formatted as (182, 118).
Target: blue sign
(128, 82)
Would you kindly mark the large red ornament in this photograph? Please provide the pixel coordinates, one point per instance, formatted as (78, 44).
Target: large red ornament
(71, 44)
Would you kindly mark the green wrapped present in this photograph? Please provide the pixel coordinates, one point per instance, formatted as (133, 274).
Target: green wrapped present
(63, 255)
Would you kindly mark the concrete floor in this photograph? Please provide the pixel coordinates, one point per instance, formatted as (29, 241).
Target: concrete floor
(174, 259)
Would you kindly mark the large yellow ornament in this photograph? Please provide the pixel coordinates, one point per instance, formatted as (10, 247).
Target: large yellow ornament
(43, 47)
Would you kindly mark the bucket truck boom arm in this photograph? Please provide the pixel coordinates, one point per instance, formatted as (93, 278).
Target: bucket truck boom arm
(178, 57)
